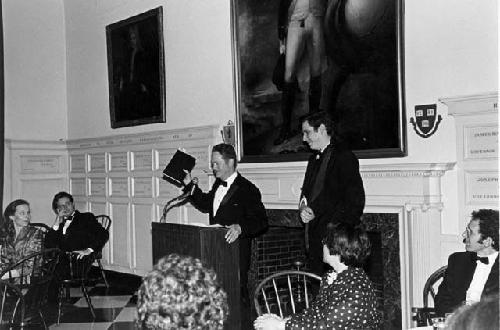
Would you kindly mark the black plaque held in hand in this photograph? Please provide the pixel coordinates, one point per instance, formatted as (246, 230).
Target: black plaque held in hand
(174, 172)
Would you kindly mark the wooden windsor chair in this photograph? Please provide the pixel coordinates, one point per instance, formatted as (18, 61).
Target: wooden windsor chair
(423, 315)
(285, 293)
(73, 272)
(105, 222)
(24, 287)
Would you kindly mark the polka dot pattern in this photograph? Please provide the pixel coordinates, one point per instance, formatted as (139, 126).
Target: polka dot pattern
(348, 303)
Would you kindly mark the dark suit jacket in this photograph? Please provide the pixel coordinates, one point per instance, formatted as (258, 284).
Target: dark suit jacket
(242, 205)
(342, 198)
(456, 282)
(83, 232)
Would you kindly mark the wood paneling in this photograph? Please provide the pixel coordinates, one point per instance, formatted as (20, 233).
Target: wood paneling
(122, 174)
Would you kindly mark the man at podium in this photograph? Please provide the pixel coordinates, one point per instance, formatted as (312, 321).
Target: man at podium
(233, 202)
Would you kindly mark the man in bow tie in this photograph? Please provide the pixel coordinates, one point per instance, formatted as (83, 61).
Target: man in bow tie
(472, 275)
(233, 202)
(332, 191)
(74, 231)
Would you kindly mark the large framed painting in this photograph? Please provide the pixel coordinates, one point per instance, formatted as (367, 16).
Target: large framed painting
(344, 57)
(136, 70)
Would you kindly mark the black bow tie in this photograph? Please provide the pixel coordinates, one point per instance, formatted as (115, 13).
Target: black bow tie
(223, 183)
(484, 260)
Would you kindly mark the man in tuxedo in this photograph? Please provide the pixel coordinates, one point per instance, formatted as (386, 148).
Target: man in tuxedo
(72, 230)
(472, 275)
(332, 191)
(233, 202)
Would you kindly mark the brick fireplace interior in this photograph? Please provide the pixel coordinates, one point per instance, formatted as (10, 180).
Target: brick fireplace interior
(283, 244)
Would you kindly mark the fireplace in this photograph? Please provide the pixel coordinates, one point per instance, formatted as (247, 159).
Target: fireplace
(283, 244)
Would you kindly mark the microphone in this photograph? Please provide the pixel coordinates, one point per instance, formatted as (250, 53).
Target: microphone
(176, 201)
(193, 187)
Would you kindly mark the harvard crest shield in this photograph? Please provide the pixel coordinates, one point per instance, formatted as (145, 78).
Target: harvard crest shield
(426, 120)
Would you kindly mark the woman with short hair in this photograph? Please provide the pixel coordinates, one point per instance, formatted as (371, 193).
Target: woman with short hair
(346, 298)
(180, 293)
(17, 237)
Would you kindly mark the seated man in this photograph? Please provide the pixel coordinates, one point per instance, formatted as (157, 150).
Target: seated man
(180, 293)
(472, 275)
(72, 230)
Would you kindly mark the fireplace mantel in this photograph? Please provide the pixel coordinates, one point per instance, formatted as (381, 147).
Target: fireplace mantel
(413, 191)
(407, 185)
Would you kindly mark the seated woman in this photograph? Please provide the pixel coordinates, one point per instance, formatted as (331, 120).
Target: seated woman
(180, 293)
(346, 298)
(17, 238)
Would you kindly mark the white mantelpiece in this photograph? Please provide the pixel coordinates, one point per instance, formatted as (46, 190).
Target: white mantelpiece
(413, 191)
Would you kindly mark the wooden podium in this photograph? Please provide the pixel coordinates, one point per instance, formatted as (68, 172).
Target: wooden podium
(209, 245)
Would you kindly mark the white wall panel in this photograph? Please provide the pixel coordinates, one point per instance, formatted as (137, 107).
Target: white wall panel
(98, 208)
(124, 172)
(120, 238)
(35, 171)
(142, 253)
(35, 192)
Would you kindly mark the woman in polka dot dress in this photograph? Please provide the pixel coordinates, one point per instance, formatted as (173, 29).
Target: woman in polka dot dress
(346, 299)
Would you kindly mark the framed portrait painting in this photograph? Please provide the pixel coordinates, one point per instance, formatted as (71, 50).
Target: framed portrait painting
(343, 57)
(136, 70)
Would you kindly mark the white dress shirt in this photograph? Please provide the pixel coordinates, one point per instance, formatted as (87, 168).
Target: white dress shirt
(222, 191)
(479, 279)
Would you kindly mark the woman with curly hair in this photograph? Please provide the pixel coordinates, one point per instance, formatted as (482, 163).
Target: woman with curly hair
(17, 238)
(180, 293)
(346, 298)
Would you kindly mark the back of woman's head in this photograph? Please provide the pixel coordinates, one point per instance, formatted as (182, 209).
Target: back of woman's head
(180, 293)
(348, 242)
(479, 316)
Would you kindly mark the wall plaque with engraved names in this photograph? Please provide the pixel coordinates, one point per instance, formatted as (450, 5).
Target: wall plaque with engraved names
(168, 191)
(97, 163)
(97, 186)
(142, 160)
(40, 164)
(482, 187)
(119, 187)
(200, 154)
(202, 157)
(78, 187)
(482, 142)
(118, 161)
(143, 187)
(164, 156)
(77, 163)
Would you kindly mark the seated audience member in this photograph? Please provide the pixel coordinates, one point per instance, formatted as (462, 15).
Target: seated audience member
(72, 230)
(18, 239)
(346, 298)
(479, 316)
(180, 293)
(473, 274)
